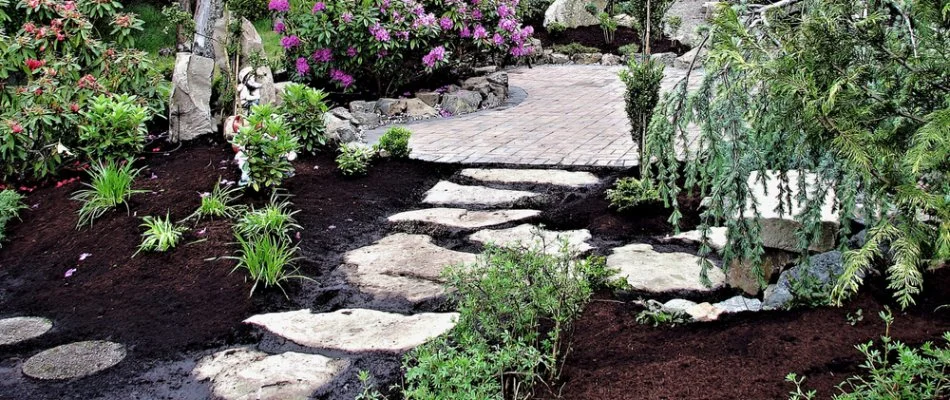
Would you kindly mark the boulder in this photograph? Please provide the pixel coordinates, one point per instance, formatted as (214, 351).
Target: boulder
(251, 42)
(362, 106)
(684, 61)
(587, 58)
(366, 120)
(739, 304)
(650, 271)
(704, 312)
(477, 84)
(430, 98)
(718, 237)
(610, 59)
(668, 59)
(391, 107)
(498, 82)
(341, 126)
(572, 13)
(220, 37)
(190, 103)
(624, 20)
(266, 78)
(485, 70)
(823, 268)
(461, 102)
(416, 108)
(678, 306)
(244, 373)
(491, 101)
(741, 275)
(279, 89)
(558, 58)
(778, 230)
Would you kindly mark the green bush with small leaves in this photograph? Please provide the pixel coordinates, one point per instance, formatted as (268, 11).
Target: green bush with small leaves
(396, 142)
(113, 128)
(656, 316)
(110, 186)
(304, 108)
(11, 203)
(631, 192)
(267, 143)
(160, 234)
(556, 29)
(354, 159)
(574, 48)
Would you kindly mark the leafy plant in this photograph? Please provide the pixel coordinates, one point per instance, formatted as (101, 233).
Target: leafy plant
(809, 291)
(516, 308)
(574, 48)
(113, 128)
(268, 260)
(674, 22)
(275, 219)
(853, 92)
(642, 81)
(608, 25)
(396, 142)
(110, 186)
(630, 192)
(268, 144)
(354, 159)
(160, 234)
(556, 29)
(368, 390)
(532, 11)
(251, 9)
(854, 318)
(181, 20)
(217, 203)
(647, 18)
(11, 203)
(304, 108)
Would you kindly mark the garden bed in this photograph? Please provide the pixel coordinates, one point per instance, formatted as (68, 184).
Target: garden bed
(593, 36)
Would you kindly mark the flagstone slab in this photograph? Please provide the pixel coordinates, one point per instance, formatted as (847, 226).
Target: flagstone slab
(557, 177)
(242, 373)
(74, 360)
(356, 330)
(651, 271)
(718, 237)
(19, 329)
(462, 218)
(528, 235)
(448, 193)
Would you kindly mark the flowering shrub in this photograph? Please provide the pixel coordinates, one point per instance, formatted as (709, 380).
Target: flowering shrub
(381, 45)
(51, 64)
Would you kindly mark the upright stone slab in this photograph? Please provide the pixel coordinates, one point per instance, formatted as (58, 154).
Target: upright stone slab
(572, 13)
(528, 235)
(19, 329)
(448, 193)
(778, 231)
(532, 176)
(243, 373)
(74, 360)
(356, 330)
(190, 104)
(651, 271)
(463, 219)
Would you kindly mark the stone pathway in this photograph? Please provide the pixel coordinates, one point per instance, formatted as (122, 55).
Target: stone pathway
(74, 360)
(573, 116)
(19, 329)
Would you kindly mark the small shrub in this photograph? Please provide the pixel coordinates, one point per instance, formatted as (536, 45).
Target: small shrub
(160, 234)
(111, 186)
(275, 219)
(574, 48)
(217, 204)
(267, 259)
(629, 50)
(354, 159)
(396, 142)
(808, 291)
(631, 192)
(268, 145)
(113, 128)
(655, 315)
(556, 29)
(11, 203)
(642, 81)
(253, 10)
(674, 22)
(304, 108)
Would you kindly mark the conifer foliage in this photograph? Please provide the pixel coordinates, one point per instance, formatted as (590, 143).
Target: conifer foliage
(855, 91)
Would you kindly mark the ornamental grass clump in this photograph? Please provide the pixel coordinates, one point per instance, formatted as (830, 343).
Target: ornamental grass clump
(160, 234)
(110, 186)
(217, 203)
(267, 251)
(275, 219)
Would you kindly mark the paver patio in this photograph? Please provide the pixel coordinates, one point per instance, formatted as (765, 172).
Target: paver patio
(573, 115)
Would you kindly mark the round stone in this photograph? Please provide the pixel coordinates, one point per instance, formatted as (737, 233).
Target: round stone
(17, 329)
(74, 360)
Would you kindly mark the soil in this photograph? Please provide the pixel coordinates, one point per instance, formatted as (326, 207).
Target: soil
(593, 36)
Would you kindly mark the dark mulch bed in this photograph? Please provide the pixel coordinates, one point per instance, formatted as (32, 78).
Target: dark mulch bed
(593, 36)
(743, 356)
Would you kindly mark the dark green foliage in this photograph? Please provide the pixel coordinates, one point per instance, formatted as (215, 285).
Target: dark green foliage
(11, 203)
(638, 9)
(250, 9)
(630, 192)
(841, 89)
(110, 185)
(304, 108)
(396, 142)
(642, 80)
(533, 10)
(574, 48)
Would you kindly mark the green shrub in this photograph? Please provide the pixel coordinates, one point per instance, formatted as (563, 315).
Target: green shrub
(629, 50)
(556, 29)
(160, 234)
(515, 308)
(631, 192)
(251, 9)
(113, 128)
(354, 159)
(275, 219)
(267, 143)
(533, 11)
(808, 291)
(267, 259)
(217, 204)
(574, 48)
(11, 203)
(304, 108)
(655, 315)
(111, 186)
(396, 142)
(642, 81)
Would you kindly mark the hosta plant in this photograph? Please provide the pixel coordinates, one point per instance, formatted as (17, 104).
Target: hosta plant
(304, 108)
(160, 234)
(110, 186)
(354, 159)
(113, 127)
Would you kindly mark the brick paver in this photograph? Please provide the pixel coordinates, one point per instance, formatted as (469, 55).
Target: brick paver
(573, 116)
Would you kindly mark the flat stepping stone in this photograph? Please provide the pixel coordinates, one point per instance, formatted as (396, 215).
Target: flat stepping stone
(651, 271)
(532, 176)
(528, 235)
(243, 373)
(402, 265)
(356, 330)
(448, 193)
(19, 329)
(739, 304)
(462, 218)
(74, 360)
(717, 237)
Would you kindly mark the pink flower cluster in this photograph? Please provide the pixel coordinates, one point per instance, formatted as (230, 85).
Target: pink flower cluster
(341, 77)
(290, 42)
(279, 6)
(435, 55)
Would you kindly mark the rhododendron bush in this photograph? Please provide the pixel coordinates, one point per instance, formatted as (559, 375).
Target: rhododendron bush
(381, 45)
(55, 57)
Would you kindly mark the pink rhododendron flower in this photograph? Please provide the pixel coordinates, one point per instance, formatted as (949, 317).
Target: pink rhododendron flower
(290, 41)
(279, 26)
(16, 128)
(504, 11)
(29, 27)
(520, 51)
(480, 32)
(323, 55)
(446, 23)
(476, 14)
(424, 20)
(318, 7)
(302, 66)
(508, 24)
(341, 77)
(465, 32)
(498, 39)
(350, 51)
(279, 5)
(346, 17)
(380, 33)
(435, 55)
(33, 64)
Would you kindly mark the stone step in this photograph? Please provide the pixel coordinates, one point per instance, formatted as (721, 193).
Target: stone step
(461, 218)
(243, 373)
(648, 270)
(402, 266)
(528, 235)
(556, 177)
(446, 193)
(19, 329)
(717, 237)
(356, 330)
(74, 360)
